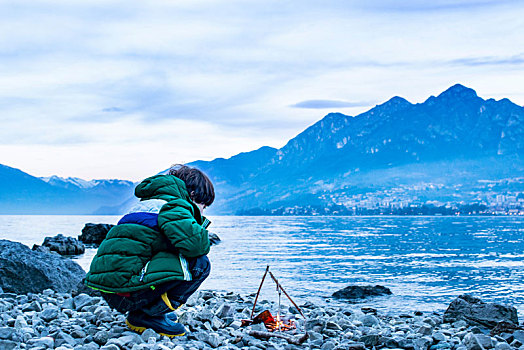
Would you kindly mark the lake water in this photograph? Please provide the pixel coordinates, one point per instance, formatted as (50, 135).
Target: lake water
(425, 261)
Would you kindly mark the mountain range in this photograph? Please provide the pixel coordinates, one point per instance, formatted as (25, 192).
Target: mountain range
(21, 193)
(454, 139)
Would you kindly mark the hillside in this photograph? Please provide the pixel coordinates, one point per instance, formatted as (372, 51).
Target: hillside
(393, 144)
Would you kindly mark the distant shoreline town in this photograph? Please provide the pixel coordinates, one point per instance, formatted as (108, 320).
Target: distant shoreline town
(485, 197)
(501, 205)
(412, 209)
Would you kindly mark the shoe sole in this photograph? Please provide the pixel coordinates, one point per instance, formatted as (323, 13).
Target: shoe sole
(141, 330)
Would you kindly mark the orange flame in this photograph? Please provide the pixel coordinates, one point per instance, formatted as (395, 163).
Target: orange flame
(274, 324)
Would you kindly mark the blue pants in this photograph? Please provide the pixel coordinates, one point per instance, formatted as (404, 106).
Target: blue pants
(152, 302)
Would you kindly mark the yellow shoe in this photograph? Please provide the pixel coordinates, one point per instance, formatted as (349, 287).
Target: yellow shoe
(163, 325)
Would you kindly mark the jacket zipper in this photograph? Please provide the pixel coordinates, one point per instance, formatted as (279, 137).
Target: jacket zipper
(185, 268)
(143, 272)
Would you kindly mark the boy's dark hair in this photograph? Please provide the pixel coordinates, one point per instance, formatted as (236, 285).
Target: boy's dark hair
(198, 185)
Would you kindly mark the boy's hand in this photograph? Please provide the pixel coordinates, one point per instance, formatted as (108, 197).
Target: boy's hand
(213, 238)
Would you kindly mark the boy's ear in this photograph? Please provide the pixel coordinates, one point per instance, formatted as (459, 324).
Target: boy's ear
(192, 195)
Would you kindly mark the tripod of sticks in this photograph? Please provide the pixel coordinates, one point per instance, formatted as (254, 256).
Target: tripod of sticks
(292, 339)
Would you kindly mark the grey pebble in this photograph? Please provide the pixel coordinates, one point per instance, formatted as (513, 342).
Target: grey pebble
(8, 344)
(369, 320)
(516, 343)
(333, 326)
(90, 346)
(7, 332)
(430, 321)
(425, 330)
(45, 342)
(130, 339)
(149, 333)
(422, 343)
(50, 313)
(329, 345)
(20, 322)
(225, 310)
(110, 347)
(214, 340)
(519, 335)
(205, 315)
(32, 306)
(502, 346)
(78, 333)
(438, 337)
(48, 292)
(474, 341)
(115, 341)
(82, 300)
(236, 324)
(101, 337)
(64, 338)
(259, 327)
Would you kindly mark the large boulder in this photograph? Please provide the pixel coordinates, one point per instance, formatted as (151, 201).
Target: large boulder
(352, 293)
(478, 313)
(94, 233)
(63, 245)
(25, 271)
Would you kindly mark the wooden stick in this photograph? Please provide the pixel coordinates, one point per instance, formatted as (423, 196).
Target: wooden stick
(258, 293)
(296, 340)
(287, 295)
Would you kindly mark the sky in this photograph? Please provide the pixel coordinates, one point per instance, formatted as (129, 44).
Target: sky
(121, 89)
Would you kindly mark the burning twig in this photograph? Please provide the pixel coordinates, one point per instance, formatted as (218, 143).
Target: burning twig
(296, 340)
(272, 324)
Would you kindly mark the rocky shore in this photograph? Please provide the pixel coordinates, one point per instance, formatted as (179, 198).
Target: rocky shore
(52, 320)
(44, 305)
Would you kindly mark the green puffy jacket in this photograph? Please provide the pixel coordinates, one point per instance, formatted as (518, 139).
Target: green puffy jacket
(134, 256)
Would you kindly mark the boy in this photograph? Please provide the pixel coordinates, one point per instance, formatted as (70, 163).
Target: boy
(155, 257)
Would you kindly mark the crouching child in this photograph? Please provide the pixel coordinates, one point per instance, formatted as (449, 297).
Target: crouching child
(156, 256)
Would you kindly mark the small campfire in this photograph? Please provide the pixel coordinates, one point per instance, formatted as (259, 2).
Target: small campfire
(278, 325)
(272, 324)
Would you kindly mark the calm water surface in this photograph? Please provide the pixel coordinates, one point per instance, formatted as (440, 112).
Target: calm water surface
(425, 261)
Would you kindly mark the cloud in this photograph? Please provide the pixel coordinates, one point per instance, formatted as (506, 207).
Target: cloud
(489, 61)
(139, 80)
(112, 109)
(321, 104)
(434, 5)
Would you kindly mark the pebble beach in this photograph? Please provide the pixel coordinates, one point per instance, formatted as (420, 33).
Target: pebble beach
(51, 320)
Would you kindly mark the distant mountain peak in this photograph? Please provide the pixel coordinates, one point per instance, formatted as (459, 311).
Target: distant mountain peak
(397, 100)
(68, 181)
(333, 116)
(392, 105)
(459, 91)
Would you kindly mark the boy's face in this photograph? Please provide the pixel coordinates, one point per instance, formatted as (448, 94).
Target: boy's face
(201, 207)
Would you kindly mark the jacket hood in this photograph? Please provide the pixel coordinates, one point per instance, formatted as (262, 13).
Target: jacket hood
(166, 187)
